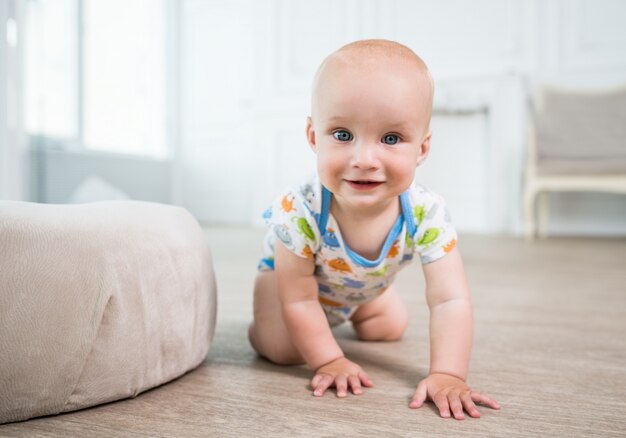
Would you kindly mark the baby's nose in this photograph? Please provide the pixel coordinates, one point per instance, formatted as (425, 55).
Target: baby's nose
(364, 155)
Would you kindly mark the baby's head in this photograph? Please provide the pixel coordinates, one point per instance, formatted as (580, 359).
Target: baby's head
(370, 116)
(366, 67)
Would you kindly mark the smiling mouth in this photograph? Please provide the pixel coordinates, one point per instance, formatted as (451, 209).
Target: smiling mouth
(363, 184)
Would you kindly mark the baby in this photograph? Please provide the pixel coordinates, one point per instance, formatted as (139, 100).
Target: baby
(336, 243)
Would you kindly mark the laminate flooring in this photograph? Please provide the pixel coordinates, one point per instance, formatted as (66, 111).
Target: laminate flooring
(550, 346)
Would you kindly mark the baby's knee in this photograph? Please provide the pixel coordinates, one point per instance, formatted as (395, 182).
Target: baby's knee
(383, 328)
(277, 352)
(396, 329)
(398, 323)
(282, 355)
(252, 338)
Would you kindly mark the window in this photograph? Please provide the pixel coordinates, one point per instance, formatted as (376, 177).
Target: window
(51, 69)
(95, 75)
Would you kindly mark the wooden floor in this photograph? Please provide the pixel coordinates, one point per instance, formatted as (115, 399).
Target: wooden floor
(550, 346)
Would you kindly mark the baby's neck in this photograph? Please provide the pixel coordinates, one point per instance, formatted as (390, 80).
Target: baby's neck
(349, 214)
(366, 231)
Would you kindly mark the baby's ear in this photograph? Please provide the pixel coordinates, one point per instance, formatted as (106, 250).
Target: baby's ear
(424, 149)
(310, 134)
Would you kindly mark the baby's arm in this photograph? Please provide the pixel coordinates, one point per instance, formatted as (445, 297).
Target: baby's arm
(309, 329)
(451, 324)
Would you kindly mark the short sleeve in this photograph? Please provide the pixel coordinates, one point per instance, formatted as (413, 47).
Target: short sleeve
(436, 235)
(291, 219)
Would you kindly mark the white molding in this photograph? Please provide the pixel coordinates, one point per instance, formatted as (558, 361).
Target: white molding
(581, 53)
(505, 48)
(485, 55)
(502, 99)
(296, 62)
(280, 142)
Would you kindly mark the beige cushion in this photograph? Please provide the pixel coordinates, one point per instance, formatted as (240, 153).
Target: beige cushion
(581, 132)
(98, 302)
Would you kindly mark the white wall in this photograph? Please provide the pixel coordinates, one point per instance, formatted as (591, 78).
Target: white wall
(247, 66)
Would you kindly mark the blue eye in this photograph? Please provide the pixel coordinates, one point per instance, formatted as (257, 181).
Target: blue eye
(342, 135)
(391, 139)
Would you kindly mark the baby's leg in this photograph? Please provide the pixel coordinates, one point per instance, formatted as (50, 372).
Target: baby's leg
(267, 333)
(384, 319)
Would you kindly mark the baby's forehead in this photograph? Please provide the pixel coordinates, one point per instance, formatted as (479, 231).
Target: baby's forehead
(376, 51)
(364, 57)
(366, 60)
(383, 50)
(363, 66)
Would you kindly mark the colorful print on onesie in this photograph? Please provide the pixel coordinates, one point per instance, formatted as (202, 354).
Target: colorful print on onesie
(301, 220)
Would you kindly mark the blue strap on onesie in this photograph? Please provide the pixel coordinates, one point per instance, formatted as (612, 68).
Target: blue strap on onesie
(405, 217)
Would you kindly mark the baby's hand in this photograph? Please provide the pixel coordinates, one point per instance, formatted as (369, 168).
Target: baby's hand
(340, 373)
(449, 393)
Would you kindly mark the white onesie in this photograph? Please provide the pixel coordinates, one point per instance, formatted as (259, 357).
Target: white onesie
(301, 220)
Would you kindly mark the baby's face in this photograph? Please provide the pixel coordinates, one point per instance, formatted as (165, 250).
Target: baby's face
(369, 129)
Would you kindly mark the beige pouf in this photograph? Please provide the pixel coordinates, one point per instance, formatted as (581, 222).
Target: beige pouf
(98, 302)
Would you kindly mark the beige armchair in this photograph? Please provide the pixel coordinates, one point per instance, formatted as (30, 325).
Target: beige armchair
(576, 142)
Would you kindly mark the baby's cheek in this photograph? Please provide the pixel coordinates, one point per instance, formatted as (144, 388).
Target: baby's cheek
(327, 167)
(405, 173)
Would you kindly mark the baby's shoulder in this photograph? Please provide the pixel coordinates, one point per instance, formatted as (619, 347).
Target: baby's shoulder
(420, 195)
(309, 194)
(302, 202)
(436, 235)
(429, 208)
(293, 218)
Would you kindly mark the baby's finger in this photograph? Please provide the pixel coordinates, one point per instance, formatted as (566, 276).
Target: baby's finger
(341, 383)
(322, 385)
(483, 399)
(441, 401)
(456, 406)
(316, 380)
(365, 380)
(469, 405)
(355, 384)
(420, 396)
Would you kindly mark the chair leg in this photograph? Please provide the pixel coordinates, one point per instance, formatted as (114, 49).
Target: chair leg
(543, 214)
(529, 214)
